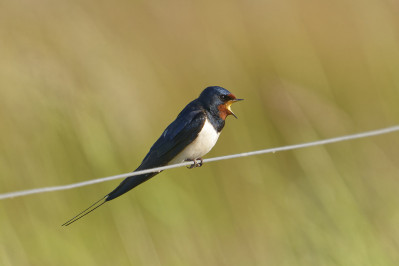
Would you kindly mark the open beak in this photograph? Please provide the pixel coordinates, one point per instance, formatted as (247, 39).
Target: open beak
(229, 103)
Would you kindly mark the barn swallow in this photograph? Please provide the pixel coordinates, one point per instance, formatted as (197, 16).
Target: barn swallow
(192, 135)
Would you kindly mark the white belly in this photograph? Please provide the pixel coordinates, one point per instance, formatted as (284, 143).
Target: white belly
(200, 146)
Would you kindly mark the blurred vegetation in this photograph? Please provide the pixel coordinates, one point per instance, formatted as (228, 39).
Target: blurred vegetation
(88, 86)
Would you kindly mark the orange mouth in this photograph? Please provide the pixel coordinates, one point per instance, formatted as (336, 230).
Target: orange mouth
(228, 106)
(225, 109)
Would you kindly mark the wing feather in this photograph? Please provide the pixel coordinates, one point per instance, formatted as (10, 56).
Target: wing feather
(176, 137)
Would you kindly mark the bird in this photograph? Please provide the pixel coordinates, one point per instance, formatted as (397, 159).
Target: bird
(188, 138)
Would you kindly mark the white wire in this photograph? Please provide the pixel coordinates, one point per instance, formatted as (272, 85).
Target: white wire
(227, 157)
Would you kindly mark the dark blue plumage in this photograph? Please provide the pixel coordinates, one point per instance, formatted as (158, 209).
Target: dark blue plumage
(173, 140)
(192, 133)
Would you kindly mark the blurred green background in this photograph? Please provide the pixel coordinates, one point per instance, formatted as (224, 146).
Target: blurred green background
(88, 86)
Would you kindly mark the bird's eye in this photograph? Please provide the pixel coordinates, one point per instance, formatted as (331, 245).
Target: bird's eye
(224, 97)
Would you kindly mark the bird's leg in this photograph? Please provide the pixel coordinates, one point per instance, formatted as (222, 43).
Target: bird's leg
(196, 163)
(200, 163)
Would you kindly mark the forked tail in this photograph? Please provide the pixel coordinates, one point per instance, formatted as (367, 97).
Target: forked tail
(123, 187)
(87, 211)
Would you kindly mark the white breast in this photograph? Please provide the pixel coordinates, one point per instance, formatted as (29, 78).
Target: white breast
(200, 146)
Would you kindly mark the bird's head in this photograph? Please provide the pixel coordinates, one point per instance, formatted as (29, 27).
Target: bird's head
(219, 100)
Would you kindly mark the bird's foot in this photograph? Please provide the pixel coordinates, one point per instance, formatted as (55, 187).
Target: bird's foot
(196, 163)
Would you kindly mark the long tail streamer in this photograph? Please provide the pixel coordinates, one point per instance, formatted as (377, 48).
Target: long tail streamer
(87, 211)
